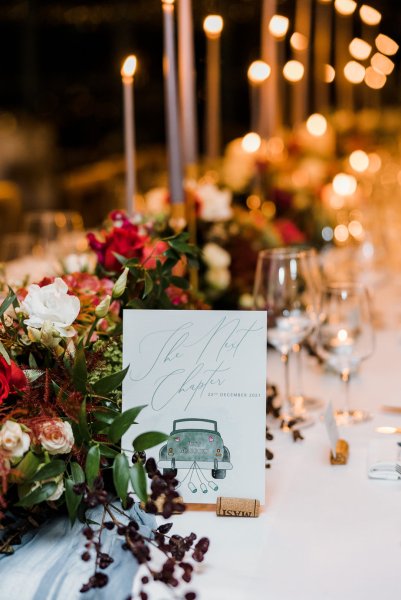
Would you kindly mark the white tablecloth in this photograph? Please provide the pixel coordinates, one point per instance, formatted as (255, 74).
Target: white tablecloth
(327, 532)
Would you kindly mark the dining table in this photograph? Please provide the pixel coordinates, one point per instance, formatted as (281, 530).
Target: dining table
(326, 531)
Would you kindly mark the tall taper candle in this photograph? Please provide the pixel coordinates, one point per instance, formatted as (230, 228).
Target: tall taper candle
(213, 26)
(303, 22)
(322, 47)
(127, 74)
(269, 104)
(187, 83)
(171, 106)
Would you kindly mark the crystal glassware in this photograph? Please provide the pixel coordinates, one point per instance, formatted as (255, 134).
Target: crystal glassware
(285, 287)
(345, 337)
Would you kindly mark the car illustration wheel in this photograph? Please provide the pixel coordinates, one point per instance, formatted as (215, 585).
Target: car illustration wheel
(219, 473)
(170, 472)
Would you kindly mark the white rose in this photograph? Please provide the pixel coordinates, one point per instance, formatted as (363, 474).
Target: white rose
(13, 441)
(56, 437)
(51, 303)
(215, 203)
(218, 278)
(215, 256)
(58, 492)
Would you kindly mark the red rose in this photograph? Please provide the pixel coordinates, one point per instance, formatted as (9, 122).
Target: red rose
(11, 377)
(125, 240)
(289, 232)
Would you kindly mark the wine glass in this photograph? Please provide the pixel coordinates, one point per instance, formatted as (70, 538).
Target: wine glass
(345, 337)
(286, 288)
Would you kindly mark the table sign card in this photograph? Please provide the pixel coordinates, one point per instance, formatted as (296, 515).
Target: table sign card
(331, 428)
(202, 375)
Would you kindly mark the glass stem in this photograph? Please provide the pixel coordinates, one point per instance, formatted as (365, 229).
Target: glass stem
(286, 404)
(345, 376)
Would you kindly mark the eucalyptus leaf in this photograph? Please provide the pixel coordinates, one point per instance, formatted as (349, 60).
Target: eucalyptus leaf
(5, 354)
(149, 440)
(40, 494)
(79, 370)
(138, 480)
(49, 470)
(92, 465)
(33, 374)
(121, 476)
(77, 473)
(108, 384)
(72, 499)
(123, 422)
(7, 302)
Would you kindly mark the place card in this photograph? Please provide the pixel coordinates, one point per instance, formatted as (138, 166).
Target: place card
(339, 448)
(202, 376)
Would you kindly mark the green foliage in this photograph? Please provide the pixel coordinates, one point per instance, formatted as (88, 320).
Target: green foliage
(147, 440)
(79, 370)
(138, 480)
(109, 383)
(92, 465)
(123, 422)
(49, 470)
(121, 476)
(39, 494)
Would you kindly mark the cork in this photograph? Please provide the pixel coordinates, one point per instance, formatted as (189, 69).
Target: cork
(342, 453)
(237, 507)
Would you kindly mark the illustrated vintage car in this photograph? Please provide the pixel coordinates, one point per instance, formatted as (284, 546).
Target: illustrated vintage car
(188, 443)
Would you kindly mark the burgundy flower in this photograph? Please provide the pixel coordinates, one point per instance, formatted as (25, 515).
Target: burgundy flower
(11, 378)
(126, 240)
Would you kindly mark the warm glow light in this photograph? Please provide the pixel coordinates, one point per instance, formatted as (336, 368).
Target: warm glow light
(258, 71)
(345, 7)
(360, 49)
(375, 162)
(275, 146)
(374, 79)
(342, 335)
(213, 26)
(129, 66)
(386, 45)
(299, 41)
(354, 72)
(293, 70)
(382, 64)
(269, 209)
(329, 73)
(316, 125)
(167, 1)
(359, 161)
(278, 26)
(341, 234)
(251, 143)
(356, 230)
(253, 202)
(344, 185)
(369, 15)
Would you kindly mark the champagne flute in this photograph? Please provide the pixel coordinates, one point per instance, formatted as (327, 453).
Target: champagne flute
(285, 287)
(345, 337)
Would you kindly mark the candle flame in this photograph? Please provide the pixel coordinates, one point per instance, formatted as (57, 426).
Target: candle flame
(342, 335)
(344, 184)
(382, 64)
(369, 15)
(167, 1)
(354, 72)
(251, 142)
(374, 79)
(329, 73)
(293, 71)
(278, 26)
(258, 71)
(213, 25)
(129, 66)
(359, 161)
(316, 125)
(345, 7)
(360, 49)
(386, 45)
(299, 41)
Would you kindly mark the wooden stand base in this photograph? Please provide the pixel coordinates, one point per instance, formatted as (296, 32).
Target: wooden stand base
(342, 453)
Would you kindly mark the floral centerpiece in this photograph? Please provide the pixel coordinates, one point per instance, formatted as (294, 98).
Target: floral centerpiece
(61, 420)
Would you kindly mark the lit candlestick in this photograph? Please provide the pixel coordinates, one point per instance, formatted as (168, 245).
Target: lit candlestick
(258, 72)
(213, 26)
(127, 74)
(343, 23)
(323, 43)
(303, 21)
(278, 27)
(269, 104)
(171, 105)
(186, 71)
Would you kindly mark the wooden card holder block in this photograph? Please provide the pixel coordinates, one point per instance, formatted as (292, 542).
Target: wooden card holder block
(342, 453)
